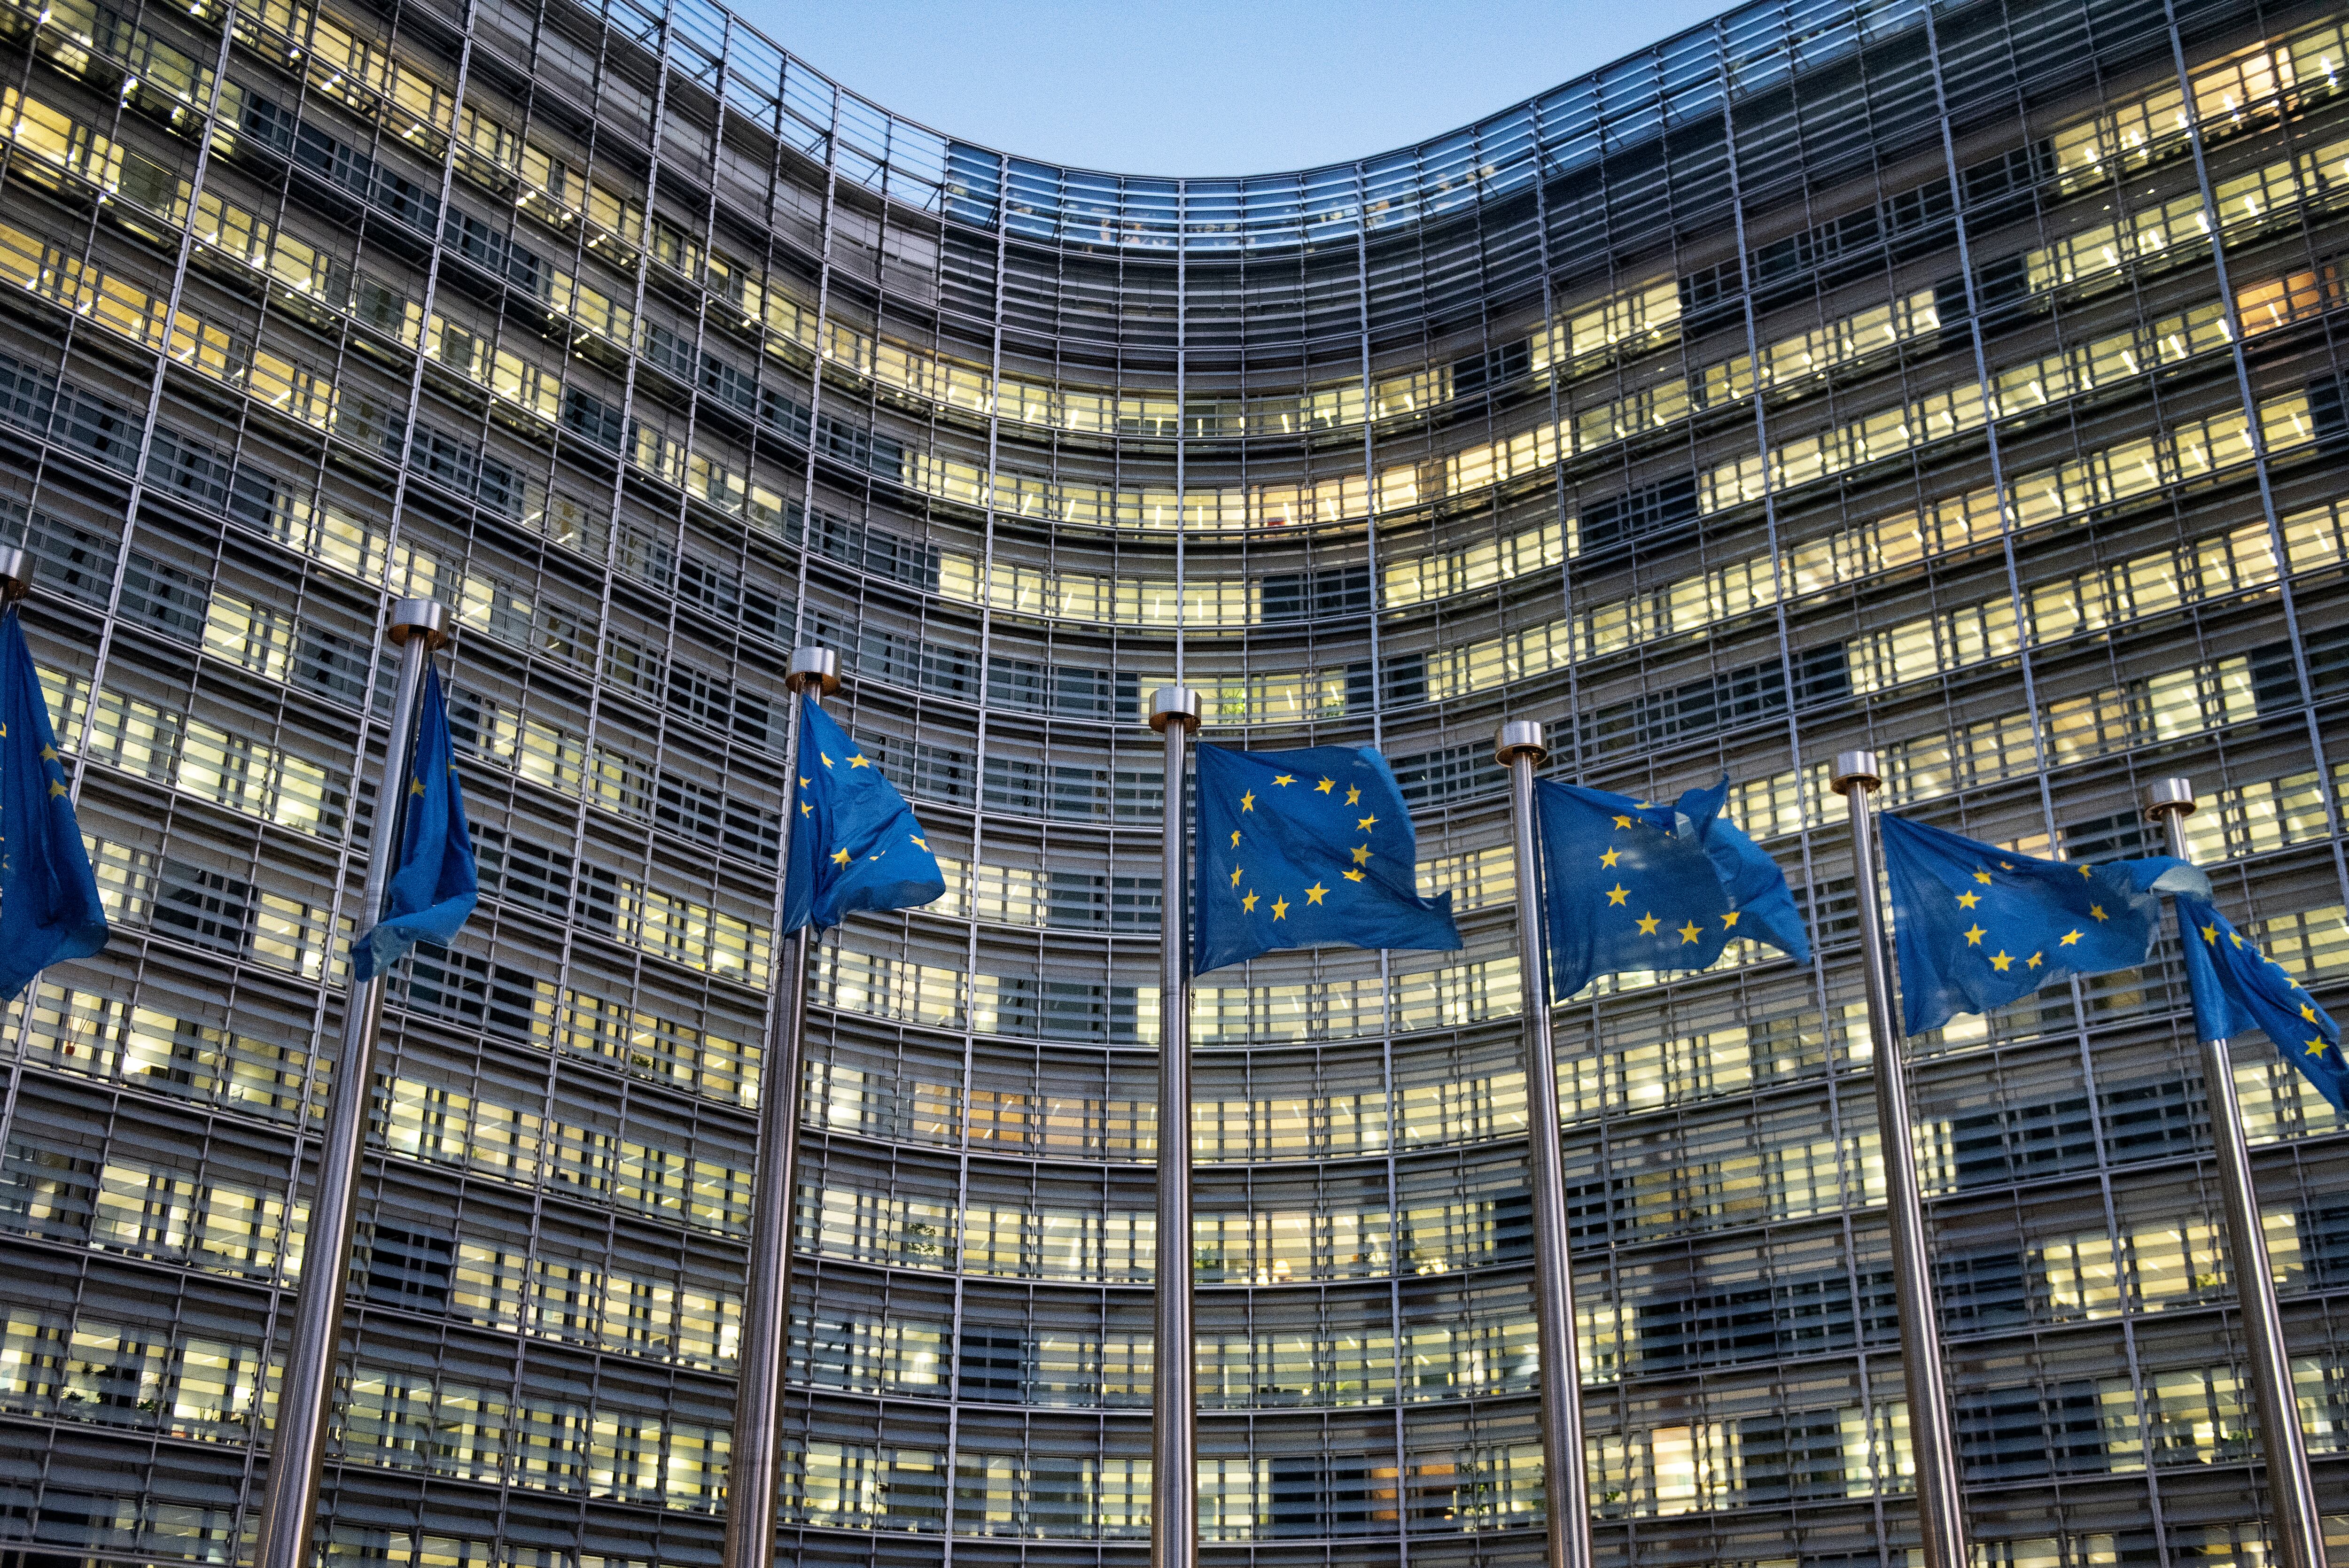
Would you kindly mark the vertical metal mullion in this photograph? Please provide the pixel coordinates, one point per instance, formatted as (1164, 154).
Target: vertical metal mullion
(977, 821)
(394, 518)
(1182, 368)
(2219, 1095)
(112, 614)
(565, 960)
(1377, 685)
(2262, 465)
(2025, 667)
(800, 632)
(1578, 767)
(590, 739)
(155, 385)
(694, 391)
(1782, 624)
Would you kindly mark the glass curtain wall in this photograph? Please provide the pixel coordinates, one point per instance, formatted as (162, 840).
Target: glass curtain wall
(1961, 380)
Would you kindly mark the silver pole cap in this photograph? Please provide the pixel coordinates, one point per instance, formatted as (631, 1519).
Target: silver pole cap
(410, 617)
(1516, 735)
(2167, 795)
(16, 575)
(1854, 770)
(1174, 705)
(817, 667)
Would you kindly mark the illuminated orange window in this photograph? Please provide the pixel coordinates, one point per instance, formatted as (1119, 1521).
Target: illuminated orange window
(2275, 302)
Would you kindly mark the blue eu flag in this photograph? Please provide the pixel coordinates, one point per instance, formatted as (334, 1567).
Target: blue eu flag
(1631, 886)
(1307, 849)
(855, 842)
(1979, 926)
(49, 909)
(435, 885)
(2238, 989)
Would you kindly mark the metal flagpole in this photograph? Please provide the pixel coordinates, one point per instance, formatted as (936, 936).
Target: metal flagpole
(2298, 1527)
(289, 1505)
(1519, 747)
(754, 1470)
(1174, 1416)
(1941, 1510)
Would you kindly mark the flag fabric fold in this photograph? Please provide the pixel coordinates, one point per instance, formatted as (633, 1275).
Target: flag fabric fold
(1977, 927)
(1631, 886)
(49, 905)
(855, 844)
(435, 882)
(1310, 848)
(2237, 988)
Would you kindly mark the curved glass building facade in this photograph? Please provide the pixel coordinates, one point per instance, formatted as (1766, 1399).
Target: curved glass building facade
(1831, 375)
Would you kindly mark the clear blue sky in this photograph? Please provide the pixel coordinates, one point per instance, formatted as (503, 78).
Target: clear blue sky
(1210, 87)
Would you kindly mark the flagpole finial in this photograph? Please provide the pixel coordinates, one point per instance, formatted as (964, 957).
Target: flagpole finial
(411, 617)
(1174, 705)
(1519, 735)
(2168, 794)
(16, 575)
(1854, 770)
(817, 667)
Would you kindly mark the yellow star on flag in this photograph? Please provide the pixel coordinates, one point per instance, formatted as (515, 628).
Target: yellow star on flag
(1248, 904)
(840, 857)
(1315, 893)
(1362, 854)
(1353, 794)
(2211, 934)
(1325, 786)
(1648, 924)
(1983, 877)
(1285, 778)
(2097, 911)
(1353, 876)
(1623, 822)
(57, 788)
(2307, 1013)
(2236, 937)
(1729, 921)
(2000, 962)
(1247, 801)
(827, 761)
(415, 787)
(2315, 1047)
(1280, 909)
(48, 753)
(1618, 893)
(806, 809)
(2033, 963)
(1235, 838)
(2086, 872)
(1690, 933)
(857, 761)
(2069, 938)
(1968, 900)
(1363, 826)
(1609, 858)
(803, 783)
(1236, 876)
(917, 838)
(1973, 937)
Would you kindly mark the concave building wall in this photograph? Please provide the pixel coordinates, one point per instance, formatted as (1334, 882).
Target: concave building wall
(1673, 409)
